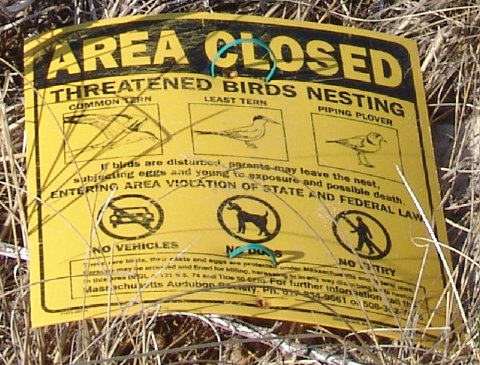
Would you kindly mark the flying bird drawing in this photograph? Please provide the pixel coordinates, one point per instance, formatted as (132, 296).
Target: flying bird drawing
(248, 133)
(116, 130)
(369, 143)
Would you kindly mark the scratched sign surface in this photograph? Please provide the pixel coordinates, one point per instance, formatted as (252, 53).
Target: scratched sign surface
(146, 173)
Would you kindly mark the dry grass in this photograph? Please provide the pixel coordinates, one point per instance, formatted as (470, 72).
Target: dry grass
(448, 36)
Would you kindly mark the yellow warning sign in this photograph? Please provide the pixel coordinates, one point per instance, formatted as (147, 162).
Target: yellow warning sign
(157, 178)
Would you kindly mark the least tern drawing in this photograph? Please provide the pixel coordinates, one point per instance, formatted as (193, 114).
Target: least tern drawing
(248, 133)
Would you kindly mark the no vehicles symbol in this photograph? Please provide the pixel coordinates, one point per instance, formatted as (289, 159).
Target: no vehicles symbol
(130, 216)
(359, 232)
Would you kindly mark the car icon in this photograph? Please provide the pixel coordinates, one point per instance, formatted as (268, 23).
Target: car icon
(129, 215)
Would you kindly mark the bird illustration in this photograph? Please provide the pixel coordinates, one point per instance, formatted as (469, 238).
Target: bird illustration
(369, 143)
(116, 129)
(248, 134)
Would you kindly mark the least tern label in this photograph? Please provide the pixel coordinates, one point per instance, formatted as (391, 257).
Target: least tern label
(152, 180)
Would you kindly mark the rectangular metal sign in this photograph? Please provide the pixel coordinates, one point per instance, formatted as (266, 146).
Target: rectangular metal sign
(157, 178)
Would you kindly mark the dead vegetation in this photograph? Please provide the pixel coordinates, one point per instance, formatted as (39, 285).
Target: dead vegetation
(448, 37)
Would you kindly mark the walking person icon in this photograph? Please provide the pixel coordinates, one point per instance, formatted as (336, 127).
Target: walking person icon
(361, 234)
(364, 237)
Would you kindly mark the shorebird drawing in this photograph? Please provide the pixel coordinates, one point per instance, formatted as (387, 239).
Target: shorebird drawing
(116, 129)
(369, 143)
(248, 133)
